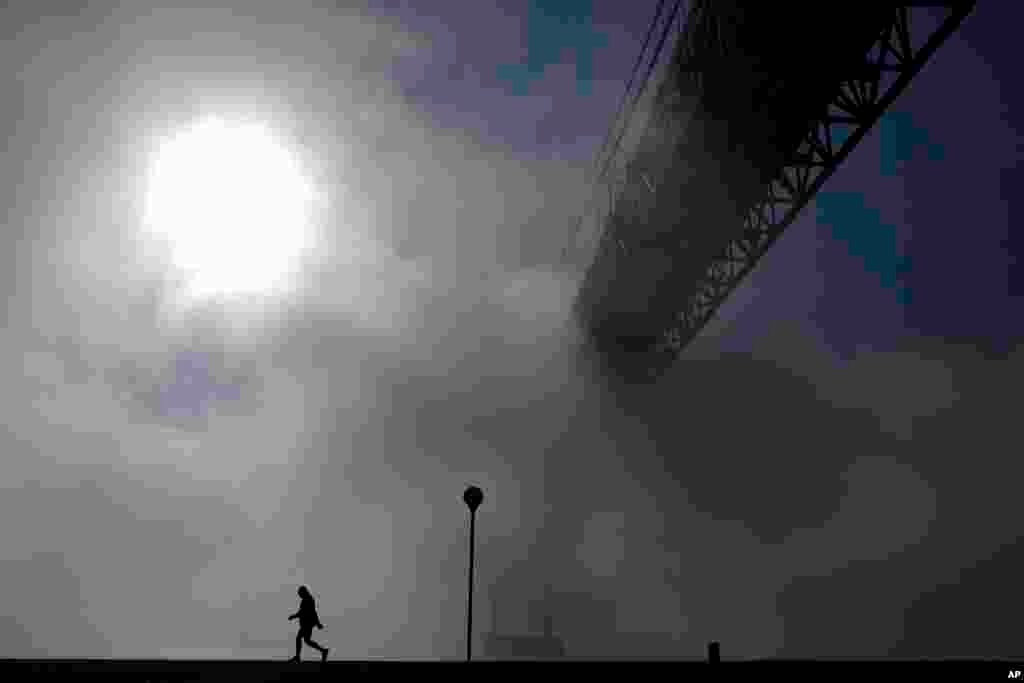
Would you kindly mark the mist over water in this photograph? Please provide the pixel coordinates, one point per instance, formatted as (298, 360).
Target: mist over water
(171, 472)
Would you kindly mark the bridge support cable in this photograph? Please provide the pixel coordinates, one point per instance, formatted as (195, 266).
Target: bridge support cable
(605, 171)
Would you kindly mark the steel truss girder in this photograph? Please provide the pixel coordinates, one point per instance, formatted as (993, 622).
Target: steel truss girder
(858, 103)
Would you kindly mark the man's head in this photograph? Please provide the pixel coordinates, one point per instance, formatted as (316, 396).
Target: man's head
(303, 591)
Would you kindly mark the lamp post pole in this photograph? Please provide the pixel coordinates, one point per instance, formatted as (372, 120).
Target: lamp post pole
(473, 496)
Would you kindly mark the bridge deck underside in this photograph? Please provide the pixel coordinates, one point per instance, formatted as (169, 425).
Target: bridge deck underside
(745, 85)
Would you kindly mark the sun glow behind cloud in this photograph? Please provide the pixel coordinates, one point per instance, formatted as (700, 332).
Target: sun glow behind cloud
(233, 206)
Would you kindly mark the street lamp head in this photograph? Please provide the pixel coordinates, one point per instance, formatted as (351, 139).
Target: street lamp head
(473, 497)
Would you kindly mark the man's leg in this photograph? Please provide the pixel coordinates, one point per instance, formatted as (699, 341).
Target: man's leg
(298, 645)
(312, 643)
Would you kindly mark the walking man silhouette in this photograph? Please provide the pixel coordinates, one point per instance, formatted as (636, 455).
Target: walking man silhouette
(308, 618)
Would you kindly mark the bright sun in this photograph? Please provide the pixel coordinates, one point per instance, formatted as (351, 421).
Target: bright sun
(232, 205)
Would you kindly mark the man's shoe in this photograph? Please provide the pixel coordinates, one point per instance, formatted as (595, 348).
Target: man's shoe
(323, 654)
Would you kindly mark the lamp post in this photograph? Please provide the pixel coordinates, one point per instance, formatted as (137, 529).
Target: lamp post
(473, 496)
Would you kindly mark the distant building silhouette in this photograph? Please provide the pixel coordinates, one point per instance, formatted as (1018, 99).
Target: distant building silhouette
(524, 646)
(248, 642)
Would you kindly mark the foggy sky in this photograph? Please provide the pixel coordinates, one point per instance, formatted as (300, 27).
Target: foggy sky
(778, 491)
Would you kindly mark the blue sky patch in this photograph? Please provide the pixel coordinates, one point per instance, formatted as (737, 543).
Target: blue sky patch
(866, 237)
(554, 26)
(900, 138)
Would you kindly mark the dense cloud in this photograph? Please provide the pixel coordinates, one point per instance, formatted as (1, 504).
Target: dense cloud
(188, 464)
